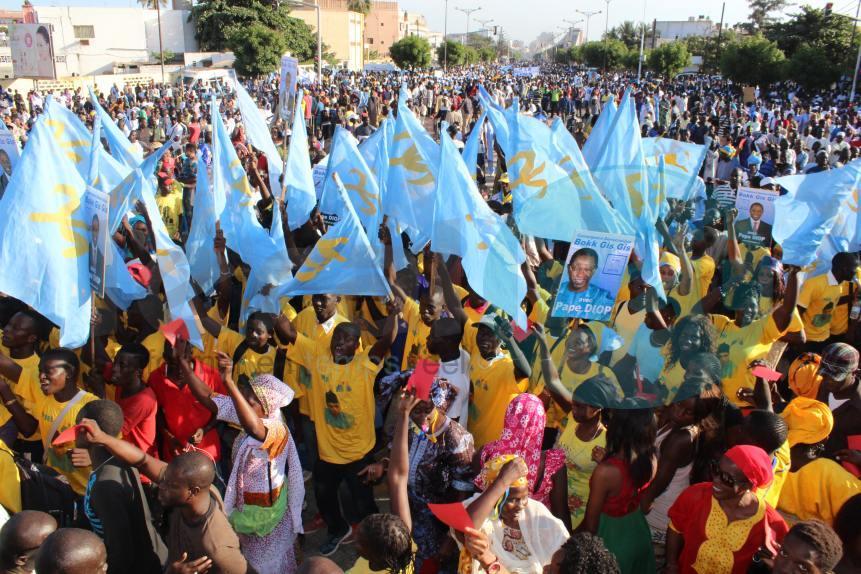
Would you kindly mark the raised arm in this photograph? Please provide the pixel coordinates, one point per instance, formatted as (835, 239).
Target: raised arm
(198, 388)
(482, 507)
(782, 314)
(522, 368)
(664, 232)
(452, 301)
(733, 251)
(389, 262)
(399, 463)
(26, 424)
(128, 453)
(552, 382)
(251, 423)
(285, 332)
(686, 277)
(389, 331)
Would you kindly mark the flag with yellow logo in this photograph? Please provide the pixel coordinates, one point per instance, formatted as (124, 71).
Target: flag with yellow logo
(44, 238)
(464, 225)
(682, 163)
(341, 262)
(301, 196)
(358, 180)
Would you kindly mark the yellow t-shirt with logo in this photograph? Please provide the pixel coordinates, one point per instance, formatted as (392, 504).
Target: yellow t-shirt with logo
(738, 346)
(55, 455)
(704, 271)
(321, 334)
(493, 386)
(341, 399)
(819, 296)
(170, 207)
(252, 363)
(417, 336)
(840, 316)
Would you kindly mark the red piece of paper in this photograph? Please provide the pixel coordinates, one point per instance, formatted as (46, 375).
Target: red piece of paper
(174, 328)
(519, 334)
(423, 377)
(67, 435)
(453, 515)
(763, 372)
(854, 443)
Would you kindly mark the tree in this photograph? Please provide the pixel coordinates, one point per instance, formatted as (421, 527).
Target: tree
(752, 61)
(216, 20)
(486, 54)
(812, 68)
(628, 33)
(470, 55)
(669, 59)
(613, 50)
(453, 51)
(360, 6)
(411, 52)
(812, 28)
(257, 49)
(167, 54)
(761, 11)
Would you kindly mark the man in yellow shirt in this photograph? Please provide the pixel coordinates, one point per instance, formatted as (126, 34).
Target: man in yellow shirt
(58, 375)
(819, 298)
(19, 366)
(169, 201)
(342, 407)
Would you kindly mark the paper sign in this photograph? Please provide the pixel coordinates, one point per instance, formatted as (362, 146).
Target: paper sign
(422, 378)
(453, 515)
(763, 372)
(519, 334)
(67, 435)
(174, 328)
(96, 204)
(854, 443)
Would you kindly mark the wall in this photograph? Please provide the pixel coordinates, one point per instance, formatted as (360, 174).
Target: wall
(342, 30)
(672, 30)
(381, 27)
(103, 82)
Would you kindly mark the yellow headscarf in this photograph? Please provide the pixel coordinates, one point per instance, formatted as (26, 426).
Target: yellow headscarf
(804, 379)
(672, 260)
(491, 469)
(809, 421)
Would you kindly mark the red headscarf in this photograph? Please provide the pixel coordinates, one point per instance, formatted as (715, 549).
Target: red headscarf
(753, 462)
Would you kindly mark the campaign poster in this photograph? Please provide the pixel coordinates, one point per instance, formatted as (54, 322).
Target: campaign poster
(96, 209)
(755, 220)
(287, 87)
(32, 51)
(593, 273)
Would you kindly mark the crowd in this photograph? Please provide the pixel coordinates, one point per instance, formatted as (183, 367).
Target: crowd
(656, 441)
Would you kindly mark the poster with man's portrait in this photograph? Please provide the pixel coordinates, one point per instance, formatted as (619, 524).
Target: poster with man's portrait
(593, 273)
(96, 209)
(755, 220)
(287, 87)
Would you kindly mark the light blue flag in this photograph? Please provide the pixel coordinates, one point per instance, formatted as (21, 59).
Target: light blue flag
(121, 147)
(496, 117)
(357, 178)
(598, 136)
(44, 236)
(341, 262)
(815, 205)
(413, 164)
(201, 255)
(683, 161)
(260, 137)
(470, 148)
(301, 195)
(596, 211)
(464, 225)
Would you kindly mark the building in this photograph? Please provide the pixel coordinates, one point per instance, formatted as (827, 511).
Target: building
(343, 30)
(382, 28)
(572, 37)
(669, 30)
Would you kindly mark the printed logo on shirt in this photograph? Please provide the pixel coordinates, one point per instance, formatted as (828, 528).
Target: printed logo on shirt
(335, 417)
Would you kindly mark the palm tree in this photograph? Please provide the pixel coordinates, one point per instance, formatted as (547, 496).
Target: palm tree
(360, 6)
(157, 4)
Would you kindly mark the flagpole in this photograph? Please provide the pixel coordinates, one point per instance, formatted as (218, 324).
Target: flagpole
(284, 143)
(93, 330)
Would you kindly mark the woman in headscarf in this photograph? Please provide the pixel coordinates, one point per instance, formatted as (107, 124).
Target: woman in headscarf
(523, 534)
(522, 434)
(815, 487)
(717, 527)
(263, 504)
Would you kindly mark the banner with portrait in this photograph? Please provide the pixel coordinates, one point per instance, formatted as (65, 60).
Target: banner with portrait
(755, 220)
(592, 276)
(287, 87)
(32, 51)
(96, 208)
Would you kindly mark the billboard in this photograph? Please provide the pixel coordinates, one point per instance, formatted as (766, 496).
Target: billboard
(32, 51)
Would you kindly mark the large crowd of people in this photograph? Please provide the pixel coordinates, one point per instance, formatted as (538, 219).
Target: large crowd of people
(659, 440)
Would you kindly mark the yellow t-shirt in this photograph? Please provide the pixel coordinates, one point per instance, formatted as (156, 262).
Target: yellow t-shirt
(55, 455)
(155, 345)
(10, 481)
(818, 490)
(252, 363)
(740, 346)
(341, 399)
(170, 207)
(417, 336)
(321, 334)
(704, 271)
(782, 463)
(840, 316)
(556, 417)
(819, 296)
(493, 386)
(26, 388)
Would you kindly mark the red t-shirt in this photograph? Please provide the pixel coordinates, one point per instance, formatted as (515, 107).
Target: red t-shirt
(182, 413)
(193, 132)
(139, 425)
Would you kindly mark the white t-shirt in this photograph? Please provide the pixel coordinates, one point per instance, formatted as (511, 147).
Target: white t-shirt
(456, 372)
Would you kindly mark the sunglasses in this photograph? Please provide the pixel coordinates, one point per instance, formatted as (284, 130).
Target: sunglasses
(723, 476)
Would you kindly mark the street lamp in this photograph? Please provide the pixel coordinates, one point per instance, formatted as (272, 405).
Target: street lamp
(606, 25)
(468, 12)
(445, 40)
(484, 24)
(316, 7)
(588, 14)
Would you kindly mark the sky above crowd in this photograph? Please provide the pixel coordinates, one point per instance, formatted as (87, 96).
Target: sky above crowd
(525, 20)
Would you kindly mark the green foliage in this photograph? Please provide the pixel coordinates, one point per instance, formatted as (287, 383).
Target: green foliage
(411, 52)
(812, 68)
(360, 6)
(762, 12)
(628, 33)
(373, 55)
(486, 54)
(168, 56)
(752, 61)
(452, 52)
(470, 55)
(257, 49)
(612, 51)
(216, 20)
(632, 59)
(575, 54)
(669, 59)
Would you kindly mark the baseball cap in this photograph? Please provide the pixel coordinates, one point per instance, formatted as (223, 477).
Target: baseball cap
(767, 181)
(838, 361)
(489, 320)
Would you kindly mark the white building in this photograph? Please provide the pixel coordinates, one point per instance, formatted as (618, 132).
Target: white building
(98, 40)
(669, 30)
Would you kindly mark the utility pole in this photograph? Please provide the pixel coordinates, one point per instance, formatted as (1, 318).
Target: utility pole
(445, 40)
(606, 26)
(588, 14)
(468, 12)
(720, 33)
